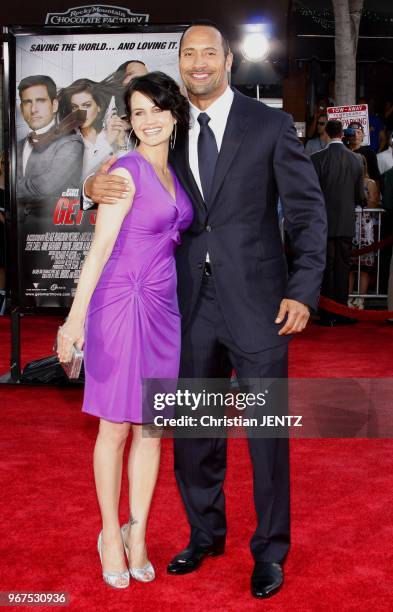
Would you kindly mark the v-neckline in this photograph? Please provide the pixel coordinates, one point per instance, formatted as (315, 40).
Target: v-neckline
(173, 198)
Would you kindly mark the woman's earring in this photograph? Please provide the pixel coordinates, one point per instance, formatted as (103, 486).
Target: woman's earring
(173, 137)
(127, 146)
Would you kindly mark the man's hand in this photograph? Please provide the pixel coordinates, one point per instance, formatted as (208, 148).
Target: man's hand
(298, 315)
(104, 188)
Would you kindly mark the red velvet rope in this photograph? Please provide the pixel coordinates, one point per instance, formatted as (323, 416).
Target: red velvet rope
(354, 313)
(373, 247)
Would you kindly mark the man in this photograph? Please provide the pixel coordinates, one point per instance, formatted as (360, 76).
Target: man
(340, 174)
(49, 162)
(319, 142)
(237, 307)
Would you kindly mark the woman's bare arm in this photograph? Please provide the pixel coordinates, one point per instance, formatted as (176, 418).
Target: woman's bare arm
(108, 224)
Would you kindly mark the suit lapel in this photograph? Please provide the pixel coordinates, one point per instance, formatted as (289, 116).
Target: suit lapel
(180, 162)
(235, 129)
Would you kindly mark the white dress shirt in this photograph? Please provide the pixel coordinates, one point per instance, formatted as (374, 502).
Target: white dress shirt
(218, 113)
(28, 147)
(334, 141)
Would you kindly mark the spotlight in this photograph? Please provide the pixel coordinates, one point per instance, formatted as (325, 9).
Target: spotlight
(255, 46)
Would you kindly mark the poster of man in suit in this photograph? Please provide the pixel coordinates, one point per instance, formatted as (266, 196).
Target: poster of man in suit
(69, 119)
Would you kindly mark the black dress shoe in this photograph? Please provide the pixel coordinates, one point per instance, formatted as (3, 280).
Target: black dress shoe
(191, 558)
(266, 579)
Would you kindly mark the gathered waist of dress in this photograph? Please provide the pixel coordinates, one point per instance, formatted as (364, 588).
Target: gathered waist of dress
(133, 236)
(149, 244)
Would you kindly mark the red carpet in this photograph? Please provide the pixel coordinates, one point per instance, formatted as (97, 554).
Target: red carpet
(342, 499)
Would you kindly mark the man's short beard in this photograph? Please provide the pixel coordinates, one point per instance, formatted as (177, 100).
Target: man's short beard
(205, 92)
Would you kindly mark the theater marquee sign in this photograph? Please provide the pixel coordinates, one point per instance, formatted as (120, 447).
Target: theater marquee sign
(96, 14)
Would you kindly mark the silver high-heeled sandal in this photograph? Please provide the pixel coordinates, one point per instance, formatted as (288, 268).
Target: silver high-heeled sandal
(145, 573)
(113, 578)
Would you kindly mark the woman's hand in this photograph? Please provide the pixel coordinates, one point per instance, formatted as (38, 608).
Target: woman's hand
(70, 333)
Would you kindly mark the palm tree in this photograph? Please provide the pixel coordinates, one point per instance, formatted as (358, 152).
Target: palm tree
(347, 15)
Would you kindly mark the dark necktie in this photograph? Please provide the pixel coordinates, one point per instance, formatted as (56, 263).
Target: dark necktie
(207, 155)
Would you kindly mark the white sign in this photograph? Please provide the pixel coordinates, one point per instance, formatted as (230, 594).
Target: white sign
(96, 14)
(348, 114)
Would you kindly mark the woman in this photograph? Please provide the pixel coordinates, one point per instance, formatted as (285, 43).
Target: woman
(126, 304)
(364, 236)
(100, 143)
(355, 144)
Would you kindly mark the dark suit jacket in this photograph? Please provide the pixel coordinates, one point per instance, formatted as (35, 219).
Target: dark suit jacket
(51, 171)
(387, 191)
(261, 157)
(340, 173)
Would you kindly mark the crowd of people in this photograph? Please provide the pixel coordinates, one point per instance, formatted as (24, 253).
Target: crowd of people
(350, 197)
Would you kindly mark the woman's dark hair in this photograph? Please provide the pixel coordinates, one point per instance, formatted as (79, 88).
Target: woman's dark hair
(120, 72)
(165, 93)
(81, 86)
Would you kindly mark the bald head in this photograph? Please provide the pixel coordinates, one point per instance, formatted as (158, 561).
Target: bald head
(206, 24)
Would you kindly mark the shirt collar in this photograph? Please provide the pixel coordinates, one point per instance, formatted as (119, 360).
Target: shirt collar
(217, 109)
(335, 141)
(46, 128)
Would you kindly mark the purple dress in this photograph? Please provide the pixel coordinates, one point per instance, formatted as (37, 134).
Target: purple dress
(133, 323)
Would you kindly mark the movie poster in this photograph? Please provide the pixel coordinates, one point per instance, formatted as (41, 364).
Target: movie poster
(70, 117)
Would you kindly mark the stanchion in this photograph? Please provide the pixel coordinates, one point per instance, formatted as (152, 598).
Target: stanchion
(15, 346)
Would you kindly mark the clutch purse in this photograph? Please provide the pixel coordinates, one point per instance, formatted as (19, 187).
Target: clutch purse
(73, 367)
